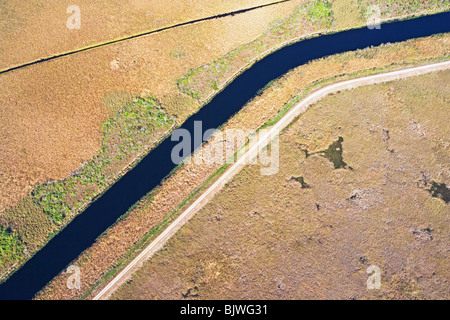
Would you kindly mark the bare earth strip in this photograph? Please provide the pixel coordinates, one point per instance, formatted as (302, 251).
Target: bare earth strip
(298, 109)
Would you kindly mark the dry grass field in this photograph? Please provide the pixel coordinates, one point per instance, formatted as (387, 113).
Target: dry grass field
(31, 30)
(139, 227)
(273, 237)
(308, 19)
(53, 115)
(311, 18)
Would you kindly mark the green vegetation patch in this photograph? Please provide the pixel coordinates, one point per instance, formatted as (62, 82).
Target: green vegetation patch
(320, 13)
(332, 153)
(11, 250)
(177, 53)
(311, 17)
(132, 131)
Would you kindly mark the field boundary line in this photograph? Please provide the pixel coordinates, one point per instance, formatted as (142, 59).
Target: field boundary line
(137, 35)
(298, 109)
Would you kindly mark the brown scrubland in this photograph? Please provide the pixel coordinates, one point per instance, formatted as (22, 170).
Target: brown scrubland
(312, 230)
(126, 236)
(53, 114)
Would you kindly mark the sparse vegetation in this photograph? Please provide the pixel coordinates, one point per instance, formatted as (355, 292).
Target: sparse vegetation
(131, 132)
(177, 53)
(290, 87)
(296, 234)
(11, 250)
(309, 18)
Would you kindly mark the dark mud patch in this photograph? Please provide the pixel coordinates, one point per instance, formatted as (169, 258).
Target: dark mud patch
(440, 190)
(333, 153)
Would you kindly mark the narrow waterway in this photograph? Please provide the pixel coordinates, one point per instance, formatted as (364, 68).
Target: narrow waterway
(82, 232)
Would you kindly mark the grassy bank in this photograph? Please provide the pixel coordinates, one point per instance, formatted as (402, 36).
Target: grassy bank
(271, 237)
(333, 153)
(54, 194)
(132, 132)
(311, 18)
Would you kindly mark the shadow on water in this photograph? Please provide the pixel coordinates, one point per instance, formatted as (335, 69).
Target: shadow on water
(82, 232)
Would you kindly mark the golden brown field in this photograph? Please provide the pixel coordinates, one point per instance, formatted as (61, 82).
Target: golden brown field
(31, 30)
(52, 115)
(271, 237)
(126, 236)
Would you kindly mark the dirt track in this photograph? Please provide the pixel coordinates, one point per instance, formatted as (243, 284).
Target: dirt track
(301, 107)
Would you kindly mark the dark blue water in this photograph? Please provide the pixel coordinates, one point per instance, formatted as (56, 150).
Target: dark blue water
(82, 232)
